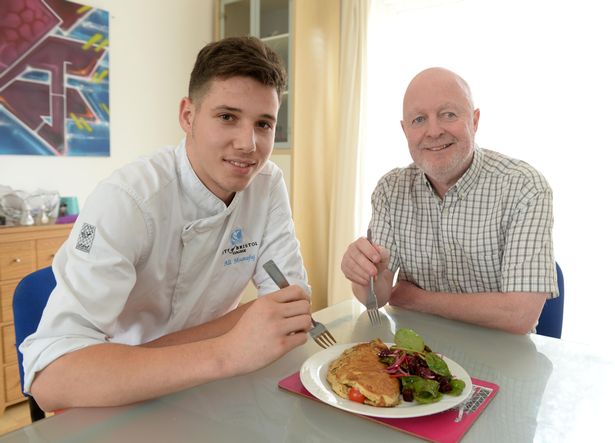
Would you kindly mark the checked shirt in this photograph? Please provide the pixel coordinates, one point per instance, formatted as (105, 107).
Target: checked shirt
(492, 231)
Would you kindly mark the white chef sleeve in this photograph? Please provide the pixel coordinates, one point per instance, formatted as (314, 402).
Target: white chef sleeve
(95, 273)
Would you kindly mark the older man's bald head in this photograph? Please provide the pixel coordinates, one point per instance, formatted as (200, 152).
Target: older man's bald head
(437, 78)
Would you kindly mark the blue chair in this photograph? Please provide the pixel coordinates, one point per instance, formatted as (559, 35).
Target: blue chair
(552, 316)
(29, 301)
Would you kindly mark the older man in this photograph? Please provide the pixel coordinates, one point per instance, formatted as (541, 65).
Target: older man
(468, 229)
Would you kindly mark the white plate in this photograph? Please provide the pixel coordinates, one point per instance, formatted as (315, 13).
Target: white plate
(313, 375)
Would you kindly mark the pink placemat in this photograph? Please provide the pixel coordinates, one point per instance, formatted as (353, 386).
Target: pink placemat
(439, 428)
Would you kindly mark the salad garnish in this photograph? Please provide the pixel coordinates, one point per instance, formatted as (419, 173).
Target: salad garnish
(424, 375)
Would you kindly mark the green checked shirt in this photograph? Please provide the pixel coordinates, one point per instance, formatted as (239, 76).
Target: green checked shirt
(490, 233)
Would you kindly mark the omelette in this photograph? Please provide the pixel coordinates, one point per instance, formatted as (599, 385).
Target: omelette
(359, 367)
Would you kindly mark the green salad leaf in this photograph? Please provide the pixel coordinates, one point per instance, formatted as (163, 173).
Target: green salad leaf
(437, 364)
(409, 340)
(458, 387)
(424, 390)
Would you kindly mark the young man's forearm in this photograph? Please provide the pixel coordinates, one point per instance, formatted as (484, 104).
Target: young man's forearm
(214, 328)
(113, 374)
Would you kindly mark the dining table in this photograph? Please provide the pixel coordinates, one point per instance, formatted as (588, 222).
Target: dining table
(550, 390)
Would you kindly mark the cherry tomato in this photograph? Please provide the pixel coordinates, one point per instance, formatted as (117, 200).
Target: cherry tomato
(355, 395)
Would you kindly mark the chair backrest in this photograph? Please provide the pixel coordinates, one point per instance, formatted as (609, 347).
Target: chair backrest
(29, 301)
(552, 316)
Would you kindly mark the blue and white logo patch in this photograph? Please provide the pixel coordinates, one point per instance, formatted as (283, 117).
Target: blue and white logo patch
(236, 236)
(86, 238)
(239, 250)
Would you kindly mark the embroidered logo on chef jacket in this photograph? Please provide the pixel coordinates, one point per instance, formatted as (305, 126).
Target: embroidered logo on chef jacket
(238, 246)
(236, 236)
(86, 238)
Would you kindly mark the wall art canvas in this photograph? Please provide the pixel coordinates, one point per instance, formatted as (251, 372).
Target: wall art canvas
(54, 79)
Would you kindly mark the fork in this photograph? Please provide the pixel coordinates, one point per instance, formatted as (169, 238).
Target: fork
(319, 332)
(372, 303)
(463, 407)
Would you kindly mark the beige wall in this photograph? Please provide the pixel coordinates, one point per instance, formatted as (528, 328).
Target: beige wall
(153, 46)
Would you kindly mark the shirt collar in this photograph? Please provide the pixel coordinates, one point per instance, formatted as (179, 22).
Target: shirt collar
(467, 180)
(208, 204)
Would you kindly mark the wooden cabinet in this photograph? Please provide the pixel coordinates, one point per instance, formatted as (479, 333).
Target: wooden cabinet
(22, 251)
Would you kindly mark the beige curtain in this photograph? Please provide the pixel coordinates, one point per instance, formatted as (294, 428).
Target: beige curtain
(315, 119)
(329, 53)
(342, 220)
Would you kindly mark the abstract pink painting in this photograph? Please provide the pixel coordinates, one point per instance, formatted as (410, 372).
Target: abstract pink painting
(54, 79)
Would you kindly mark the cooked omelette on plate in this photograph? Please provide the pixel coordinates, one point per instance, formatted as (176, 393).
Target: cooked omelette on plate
(376, 375)
(358, 374)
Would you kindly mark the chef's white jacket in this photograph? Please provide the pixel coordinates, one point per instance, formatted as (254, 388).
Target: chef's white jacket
(154, 252)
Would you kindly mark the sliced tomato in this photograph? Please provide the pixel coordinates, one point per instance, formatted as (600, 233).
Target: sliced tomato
(355, 395)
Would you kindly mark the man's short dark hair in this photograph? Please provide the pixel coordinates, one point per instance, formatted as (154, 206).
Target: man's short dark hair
(236, 57)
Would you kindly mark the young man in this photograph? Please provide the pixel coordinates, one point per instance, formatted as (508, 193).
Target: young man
(460, 219)
(149, 282)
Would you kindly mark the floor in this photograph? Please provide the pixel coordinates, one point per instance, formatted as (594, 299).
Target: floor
(14, 417)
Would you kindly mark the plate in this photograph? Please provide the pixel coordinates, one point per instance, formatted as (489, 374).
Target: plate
(313, 375)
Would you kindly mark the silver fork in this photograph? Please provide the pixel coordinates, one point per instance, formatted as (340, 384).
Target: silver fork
(372, 302)
(463, 407)
(319, 332)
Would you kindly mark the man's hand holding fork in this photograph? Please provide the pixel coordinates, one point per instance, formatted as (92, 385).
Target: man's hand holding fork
(362, 260)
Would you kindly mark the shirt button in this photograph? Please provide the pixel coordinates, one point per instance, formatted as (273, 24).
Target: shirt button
(444, 211)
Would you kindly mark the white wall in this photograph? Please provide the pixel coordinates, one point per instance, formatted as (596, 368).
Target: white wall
(153, 45)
